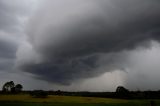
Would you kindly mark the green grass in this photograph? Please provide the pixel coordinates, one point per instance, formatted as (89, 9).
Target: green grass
(26, 100)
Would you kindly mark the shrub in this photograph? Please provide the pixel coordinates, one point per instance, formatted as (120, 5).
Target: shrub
(39, 94)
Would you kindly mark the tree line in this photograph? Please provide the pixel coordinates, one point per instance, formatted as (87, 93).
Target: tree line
(121, 92)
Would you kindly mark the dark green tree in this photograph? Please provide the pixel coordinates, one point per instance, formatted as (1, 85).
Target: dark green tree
(8, 86)
(122, 92)
(18, 88)
(11, 87)
(121, 89)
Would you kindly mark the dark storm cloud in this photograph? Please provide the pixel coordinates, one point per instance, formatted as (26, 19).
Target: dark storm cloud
(7, 49)
(70, 37)
(63, 71)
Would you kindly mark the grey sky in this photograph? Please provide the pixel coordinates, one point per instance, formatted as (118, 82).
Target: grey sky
(69, 44)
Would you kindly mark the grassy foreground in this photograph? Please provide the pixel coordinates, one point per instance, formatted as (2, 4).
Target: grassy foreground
(26, 100)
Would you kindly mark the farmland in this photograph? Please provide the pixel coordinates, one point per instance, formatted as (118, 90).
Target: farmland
(27, 100)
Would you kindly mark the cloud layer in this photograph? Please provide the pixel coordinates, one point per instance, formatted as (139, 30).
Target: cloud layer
(13, 15)
(72, 40)
(87, 44)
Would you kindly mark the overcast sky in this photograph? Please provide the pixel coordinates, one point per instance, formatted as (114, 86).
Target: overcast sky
(80, 45)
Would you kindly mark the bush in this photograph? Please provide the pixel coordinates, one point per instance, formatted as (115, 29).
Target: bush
(39, 94)
(122, 92)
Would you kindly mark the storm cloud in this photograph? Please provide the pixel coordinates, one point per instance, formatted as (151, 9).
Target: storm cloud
(70, 40)
(8, 44)
(12, 16)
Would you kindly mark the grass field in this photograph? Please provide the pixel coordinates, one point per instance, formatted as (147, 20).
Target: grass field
(26, 100)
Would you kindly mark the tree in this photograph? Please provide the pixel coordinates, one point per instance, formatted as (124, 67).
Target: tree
(121, 89)
(122, 92)
(11, 87)
(8, 86)
(18, 88)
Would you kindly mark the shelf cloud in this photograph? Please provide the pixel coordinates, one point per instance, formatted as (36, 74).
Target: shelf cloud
(70, 40)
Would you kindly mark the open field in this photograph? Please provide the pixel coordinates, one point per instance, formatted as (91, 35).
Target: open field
(26, 100)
